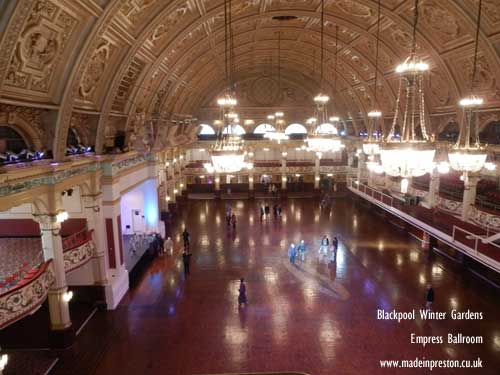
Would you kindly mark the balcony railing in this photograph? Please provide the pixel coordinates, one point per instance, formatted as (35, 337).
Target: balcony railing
(27, 295)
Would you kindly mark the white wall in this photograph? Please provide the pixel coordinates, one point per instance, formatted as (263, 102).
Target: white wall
(143, 198)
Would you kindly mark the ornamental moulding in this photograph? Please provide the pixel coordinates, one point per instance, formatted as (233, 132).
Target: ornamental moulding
(24, 299)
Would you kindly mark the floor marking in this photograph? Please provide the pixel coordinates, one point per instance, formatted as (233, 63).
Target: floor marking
(51, 367)
(86, 321)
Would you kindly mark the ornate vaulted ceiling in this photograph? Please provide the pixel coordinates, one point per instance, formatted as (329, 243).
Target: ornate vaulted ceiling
(94, 64)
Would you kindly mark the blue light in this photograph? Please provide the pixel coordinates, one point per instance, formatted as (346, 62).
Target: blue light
(150, 202)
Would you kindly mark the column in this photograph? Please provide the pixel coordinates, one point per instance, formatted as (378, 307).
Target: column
(350, 158)
(92, 205)
(432, 196)
(361, 166)
(283, 171)
(217, 185)
(470, 187)
(61, 333)
(316, 172)
(251, 193)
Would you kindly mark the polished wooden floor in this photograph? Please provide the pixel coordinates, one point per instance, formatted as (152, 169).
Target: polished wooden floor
(308, 318)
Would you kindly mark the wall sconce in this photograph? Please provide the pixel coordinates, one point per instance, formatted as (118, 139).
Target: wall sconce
(62, 216)
(167, 164)
(250, 179)
(330, 174)
(319, 155)
(284, 154)
(250, 154)
(217, 179)
(67, 296)
(317, 178)
(181, 185)
(167, 198)
(175, 160)
(283, 179)
(176, 191)
(4, 359)
(181, 157)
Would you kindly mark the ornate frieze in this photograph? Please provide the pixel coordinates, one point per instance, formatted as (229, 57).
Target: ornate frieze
(24, 299)
(78, 256)
(95, 69)
(451, 206)
(484, 219)
(113, 168)
(40, 46)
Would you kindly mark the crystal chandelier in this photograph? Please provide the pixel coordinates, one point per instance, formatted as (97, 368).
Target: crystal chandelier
(227, 155)
(371, 146)
(464, 156)
(278, 134)
(411, 155)
(324, 137)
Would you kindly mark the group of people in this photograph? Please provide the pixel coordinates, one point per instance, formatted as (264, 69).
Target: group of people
(328, 252)
(265, 211)
(298, 251)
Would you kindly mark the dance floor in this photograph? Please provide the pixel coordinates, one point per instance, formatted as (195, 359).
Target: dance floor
(310, 318)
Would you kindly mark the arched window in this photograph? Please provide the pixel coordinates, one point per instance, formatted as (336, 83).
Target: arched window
(11, 140)
(327, 128)
(206, 130)
(264, 128)
(73, 139)
(295, 129)
(235, 129)
(450, 132)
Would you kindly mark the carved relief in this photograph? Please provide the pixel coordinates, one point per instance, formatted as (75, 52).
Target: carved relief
(441, 20)
(39, 47)
(355, 9)
(95, 69)
(134, 10)
(178, 17)
(439, 87)
(127, 84)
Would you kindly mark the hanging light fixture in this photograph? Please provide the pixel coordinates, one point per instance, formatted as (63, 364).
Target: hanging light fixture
(412, 154)
(466, 157)
(278, 134)
(324, 137)
(227, 155)
(371, 146)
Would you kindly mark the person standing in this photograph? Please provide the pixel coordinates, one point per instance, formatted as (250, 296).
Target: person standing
(233, 221)
(429, 297)
(275, 211)
(323, 249)
(261, 213)
(242, 293)
(292, 253)
(266, 210)
(279, 211)
(186, 259)
(301, 250)
(169, 246)
(185, 237)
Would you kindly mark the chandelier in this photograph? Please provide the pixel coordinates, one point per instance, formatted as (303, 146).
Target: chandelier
(412, 154)
(371, 145)
(227, 155)
(278, 134)
(324, 137)
(466, 157)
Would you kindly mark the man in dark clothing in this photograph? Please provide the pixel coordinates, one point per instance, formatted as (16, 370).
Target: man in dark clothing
(185, 236)
(186, 258)
(429, 296)
(266, 209)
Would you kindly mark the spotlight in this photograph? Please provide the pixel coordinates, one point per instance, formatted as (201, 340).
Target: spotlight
(67, 296)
